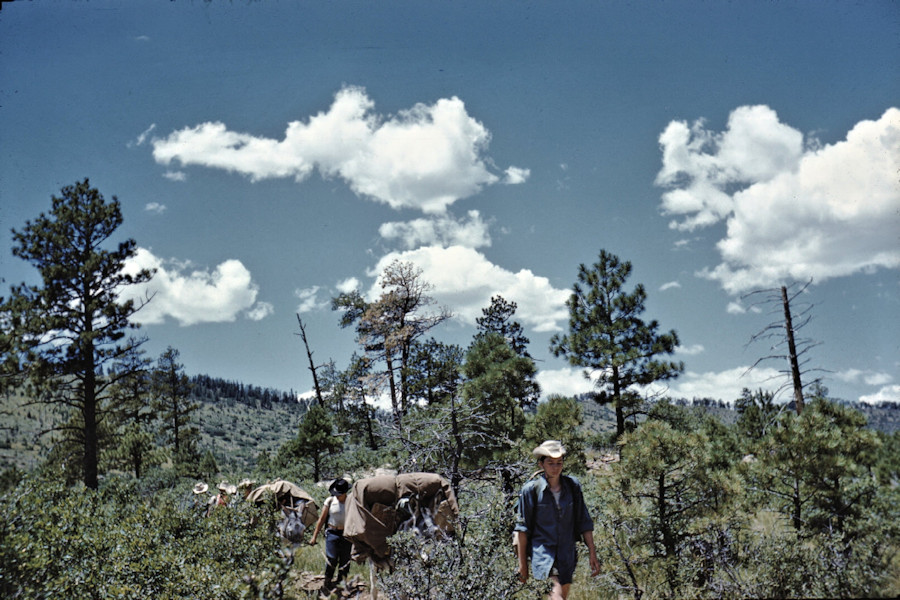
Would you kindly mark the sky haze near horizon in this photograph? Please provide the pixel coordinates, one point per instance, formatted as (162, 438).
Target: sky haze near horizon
(269, 156)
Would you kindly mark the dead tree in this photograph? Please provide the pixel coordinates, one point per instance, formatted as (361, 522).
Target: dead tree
(312, 366)
(783, 332)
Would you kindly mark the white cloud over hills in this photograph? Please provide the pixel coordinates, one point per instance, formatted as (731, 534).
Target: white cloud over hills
(889, 393)
(194, 296)
(722, 385)
(425, 157)
(792, 210)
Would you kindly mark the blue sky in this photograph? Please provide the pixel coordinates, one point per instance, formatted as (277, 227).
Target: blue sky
(269, 155)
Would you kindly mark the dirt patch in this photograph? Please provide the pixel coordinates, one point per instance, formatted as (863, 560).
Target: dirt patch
(311, 583)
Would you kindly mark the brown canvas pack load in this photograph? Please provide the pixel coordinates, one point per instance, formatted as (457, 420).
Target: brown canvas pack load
(372, 514)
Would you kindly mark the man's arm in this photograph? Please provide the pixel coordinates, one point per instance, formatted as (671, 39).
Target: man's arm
(320, 522)
(522, 547)
(588, 537)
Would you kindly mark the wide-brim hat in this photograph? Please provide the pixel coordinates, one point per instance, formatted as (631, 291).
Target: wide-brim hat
(226, 487)
(551, 449)
(200, 488)
(339, 486)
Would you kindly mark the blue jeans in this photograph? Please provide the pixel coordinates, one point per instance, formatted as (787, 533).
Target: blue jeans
(337, 555)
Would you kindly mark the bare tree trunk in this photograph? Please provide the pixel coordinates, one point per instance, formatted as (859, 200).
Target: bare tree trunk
(792, 351)
(388, 359)
(312, 366)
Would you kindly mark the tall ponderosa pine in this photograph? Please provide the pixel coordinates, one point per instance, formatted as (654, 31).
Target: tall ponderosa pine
(608, 337)
(67, 329)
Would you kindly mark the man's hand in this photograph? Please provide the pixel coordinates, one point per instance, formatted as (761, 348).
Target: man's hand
(595, 564)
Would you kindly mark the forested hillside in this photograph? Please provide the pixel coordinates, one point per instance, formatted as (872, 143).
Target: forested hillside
(238, 422)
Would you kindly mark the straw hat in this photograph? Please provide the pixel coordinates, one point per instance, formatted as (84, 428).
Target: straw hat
(551, 449)
(200, 488)
(226, 487)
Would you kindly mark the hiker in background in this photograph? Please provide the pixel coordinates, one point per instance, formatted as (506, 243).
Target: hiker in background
(199, 500)
(337, 547)
(225, 489)
(552, 515)
(245, 487)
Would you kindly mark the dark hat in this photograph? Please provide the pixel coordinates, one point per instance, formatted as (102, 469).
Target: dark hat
(338, 487)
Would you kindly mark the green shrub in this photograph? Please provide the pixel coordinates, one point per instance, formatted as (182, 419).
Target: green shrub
(60, 542)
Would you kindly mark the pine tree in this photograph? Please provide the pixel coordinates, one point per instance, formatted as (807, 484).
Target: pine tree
(315, 439)
(498, 318)
(67, 330)
(388, 327)
(496, 378)
(608, 337)
(559, 418)
(172, 401)
(434, 371)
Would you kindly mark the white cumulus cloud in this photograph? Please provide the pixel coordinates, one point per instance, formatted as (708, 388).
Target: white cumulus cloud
(793, 211)
(260, 311)
(465, 280)
(193, 296)
(348, 285)
(309, 300)
(425, 157)
(516, 175)
(443, 230)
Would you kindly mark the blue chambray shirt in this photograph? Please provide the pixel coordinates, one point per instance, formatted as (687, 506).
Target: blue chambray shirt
(552, 530)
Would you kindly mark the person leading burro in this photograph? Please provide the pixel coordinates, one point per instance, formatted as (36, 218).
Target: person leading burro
(337, 547)
(552, 516)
